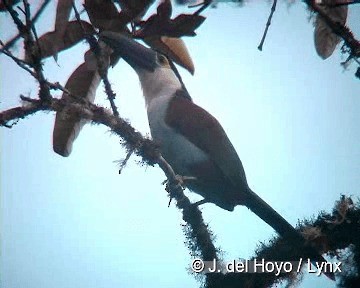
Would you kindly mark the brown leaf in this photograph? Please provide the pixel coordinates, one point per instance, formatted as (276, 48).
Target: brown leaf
(164, 10)
(156, 22)
(325, 39)
(185, 25)
(90, 60)
(50, 43)
(174, 48)
(137, 8)
(82, 83)
(160, 24)
(104, 15)
(76, 32)
(63, 11)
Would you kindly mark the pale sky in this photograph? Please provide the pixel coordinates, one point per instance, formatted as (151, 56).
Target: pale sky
(292, 117)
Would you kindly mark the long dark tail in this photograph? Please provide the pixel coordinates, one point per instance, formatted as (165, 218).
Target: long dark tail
(284, 228)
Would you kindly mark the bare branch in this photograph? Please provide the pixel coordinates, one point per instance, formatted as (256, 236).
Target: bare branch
(268, 23)
(16, 113)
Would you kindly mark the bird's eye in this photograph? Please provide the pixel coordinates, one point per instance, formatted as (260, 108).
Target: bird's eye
(162, 59)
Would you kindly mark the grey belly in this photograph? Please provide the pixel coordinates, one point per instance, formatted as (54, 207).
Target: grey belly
(176, 149)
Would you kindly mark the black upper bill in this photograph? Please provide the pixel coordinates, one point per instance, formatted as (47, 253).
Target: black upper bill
(131, 51)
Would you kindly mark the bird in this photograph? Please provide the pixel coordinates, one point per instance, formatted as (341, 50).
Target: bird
(193, 141)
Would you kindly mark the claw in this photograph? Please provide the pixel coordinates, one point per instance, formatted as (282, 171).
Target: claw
(180, 179)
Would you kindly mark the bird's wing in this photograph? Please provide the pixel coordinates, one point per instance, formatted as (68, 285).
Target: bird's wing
(205, 132)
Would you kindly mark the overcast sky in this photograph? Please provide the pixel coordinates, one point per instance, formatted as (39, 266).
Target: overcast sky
(292, 117)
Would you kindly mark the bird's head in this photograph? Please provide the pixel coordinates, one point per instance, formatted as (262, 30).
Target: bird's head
(156, 76)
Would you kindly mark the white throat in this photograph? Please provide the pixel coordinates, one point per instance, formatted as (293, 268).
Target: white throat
(161, 82)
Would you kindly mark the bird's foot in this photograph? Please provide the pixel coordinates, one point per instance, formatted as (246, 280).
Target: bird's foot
(180, 180)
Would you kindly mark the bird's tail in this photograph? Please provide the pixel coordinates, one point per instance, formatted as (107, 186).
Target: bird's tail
(285, 229)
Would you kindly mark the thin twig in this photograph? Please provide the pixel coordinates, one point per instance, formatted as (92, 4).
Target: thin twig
(110, 93)
(30, 24)
(268, 23)
(204, 5)
(27, 13)
(81, 12)
(11, 42)
(14, 15)
(19, 62)
(31, 48)
(89, 38)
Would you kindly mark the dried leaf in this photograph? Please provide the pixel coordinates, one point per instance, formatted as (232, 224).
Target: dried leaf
(137, 8)
(76, 32)
(82, 83)
(90, 60)
(160, 24)
(164, 10)
(63, 11)
(185, 25)
(325, 39)
(104, 15)
(174, 48)
(50, 43)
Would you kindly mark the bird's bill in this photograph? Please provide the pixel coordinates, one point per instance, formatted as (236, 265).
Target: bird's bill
(137, 55)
